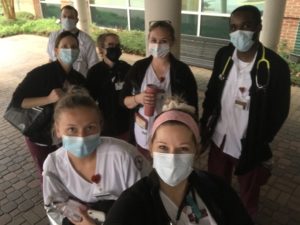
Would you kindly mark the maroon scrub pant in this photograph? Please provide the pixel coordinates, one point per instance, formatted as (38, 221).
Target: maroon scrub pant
(222, 164)
(39, 153)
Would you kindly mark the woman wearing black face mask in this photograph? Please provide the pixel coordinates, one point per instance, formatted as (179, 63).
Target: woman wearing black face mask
(105, 82)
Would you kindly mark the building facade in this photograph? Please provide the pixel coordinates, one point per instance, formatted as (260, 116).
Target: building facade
(202, 18)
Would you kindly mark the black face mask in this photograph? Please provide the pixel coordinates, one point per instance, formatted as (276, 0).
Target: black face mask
(113, 53)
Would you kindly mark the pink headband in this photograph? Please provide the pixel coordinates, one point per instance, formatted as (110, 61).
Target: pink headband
(179, 116)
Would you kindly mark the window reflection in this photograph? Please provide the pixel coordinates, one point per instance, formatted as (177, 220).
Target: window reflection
(227, 6)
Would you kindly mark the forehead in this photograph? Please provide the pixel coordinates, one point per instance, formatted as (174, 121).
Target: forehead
(160, 32)
(242, 17)
(78, 115)
(68, 40)
(68, 12)
(111, 39)
(173, 132)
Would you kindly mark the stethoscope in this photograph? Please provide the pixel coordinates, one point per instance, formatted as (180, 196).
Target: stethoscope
(260, 62)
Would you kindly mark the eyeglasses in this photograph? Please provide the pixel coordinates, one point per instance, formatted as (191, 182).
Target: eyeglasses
(152, 22)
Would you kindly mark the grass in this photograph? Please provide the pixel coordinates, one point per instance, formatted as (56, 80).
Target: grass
(132, 41)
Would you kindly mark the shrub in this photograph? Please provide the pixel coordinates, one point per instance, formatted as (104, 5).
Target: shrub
(25, 15)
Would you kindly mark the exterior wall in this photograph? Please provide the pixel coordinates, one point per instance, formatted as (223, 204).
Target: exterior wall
(288, 30)
(290, 23)
(24, 5)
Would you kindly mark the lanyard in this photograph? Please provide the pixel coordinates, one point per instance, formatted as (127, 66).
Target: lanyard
(190, 200)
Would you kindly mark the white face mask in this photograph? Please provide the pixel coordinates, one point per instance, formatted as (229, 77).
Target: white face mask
(68, 24)
(173, 168)
(242, 40)
(159, 50)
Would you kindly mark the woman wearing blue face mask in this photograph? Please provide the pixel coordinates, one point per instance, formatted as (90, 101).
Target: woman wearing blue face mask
(88, 171)
(43, 87)
(174, 193)
(169, 75)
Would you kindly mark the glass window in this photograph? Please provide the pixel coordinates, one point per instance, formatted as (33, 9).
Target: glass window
(190, 5)
(120, 3)
(50, 10)
(227, 6)
(114, 18)
(189, 24)
(137, 3)
(137, 21)
(217, 27)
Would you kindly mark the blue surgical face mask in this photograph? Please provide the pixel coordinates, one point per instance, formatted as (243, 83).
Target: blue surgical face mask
(68, 55)
(242, 40)
(81, 146)
(68, 24)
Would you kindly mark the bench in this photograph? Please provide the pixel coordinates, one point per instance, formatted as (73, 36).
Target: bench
(200, 51)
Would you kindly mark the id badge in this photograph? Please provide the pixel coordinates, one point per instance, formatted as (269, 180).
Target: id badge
(243, 105)
(119, 86)
(141, 121)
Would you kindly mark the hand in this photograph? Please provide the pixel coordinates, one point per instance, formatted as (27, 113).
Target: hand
(148, 98)
(86, 219)
(55, 95)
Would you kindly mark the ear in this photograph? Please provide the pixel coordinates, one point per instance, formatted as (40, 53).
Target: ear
(57, 132)
(56, 51)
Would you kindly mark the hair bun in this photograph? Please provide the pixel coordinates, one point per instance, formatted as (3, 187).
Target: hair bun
(78, 90)
(177, 103)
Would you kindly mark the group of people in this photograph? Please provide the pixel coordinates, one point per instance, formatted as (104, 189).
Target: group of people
(105, 152)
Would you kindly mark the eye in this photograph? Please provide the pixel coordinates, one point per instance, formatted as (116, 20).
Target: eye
(164, 41)
(71, 131)
(91, 128)
(232, 28)
(162, 148)
(153, 40)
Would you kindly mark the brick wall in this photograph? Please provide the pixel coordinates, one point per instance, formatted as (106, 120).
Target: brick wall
(290, 23)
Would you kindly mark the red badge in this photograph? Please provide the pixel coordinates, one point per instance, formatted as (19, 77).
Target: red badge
(96, 178)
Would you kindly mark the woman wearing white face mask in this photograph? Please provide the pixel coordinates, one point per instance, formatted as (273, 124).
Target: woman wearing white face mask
(174, 193)
(162, 69)
(43, 87)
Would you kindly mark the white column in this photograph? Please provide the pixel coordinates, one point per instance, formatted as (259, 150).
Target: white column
(272, 22)
(84, 14)
(164, 10)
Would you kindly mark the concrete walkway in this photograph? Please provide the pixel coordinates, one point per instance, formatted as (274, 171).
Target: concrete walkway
(20, 193)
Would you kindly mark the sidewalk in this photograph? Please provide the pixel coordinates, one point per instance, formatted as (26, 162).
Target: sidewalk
(20, 193)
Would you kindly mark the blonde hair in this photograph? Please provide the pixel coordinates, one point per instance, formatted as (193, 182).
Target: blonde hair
(75, 97)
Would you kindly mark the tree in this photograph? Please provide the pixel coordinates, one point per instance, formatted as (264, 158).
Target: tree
(8, 9)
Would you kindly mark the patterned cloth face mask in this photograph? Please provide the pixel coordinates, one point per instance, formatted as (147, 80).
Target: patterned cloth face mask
(159, 50)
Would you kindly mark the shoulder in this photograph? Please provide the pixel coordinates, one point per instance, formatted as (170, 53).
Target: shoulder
(275, 59)
(143, 62)
(208, 181)
(42, 70)
(115, 146)
(225, 51)
(54, 159)
(124, 64)
(54, 34)
(82, 36)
